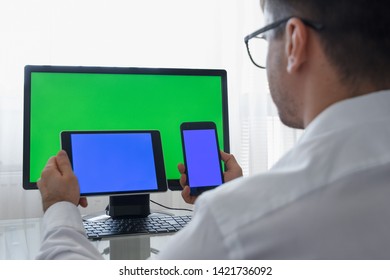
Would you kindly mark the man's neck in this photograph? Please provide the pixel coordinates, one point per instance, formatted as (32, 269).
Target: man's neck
(323, 100)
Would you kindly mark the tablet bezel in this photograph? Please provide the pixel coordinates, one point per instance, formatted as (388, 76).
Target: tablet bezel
(157, 152)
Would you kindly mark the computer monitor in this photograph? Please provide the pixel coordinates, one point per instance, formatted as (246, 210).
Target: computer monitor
(61, 98)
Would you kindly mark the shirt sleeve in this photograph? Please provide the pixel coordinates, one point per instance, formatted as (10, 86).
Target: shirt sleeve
(200, 239)
(64, 235)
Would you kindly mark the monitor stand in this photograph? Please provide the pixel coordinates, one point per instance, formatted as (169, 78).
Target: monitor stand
(129, 206)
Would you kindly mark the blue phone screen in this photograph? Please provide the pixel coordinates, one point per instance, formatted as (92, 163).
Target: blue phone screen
(114, 162)
(202, 158)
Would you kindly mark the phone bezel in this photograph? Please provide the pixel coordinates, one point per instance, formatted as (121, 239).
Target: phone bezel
(194, 191)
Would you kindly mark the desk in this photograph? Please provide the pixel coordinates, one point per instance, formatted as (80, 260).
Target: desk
(20, 240)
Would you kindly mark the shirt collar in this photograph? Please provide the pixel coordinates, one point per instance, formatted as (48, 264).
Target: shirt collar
(350, 112)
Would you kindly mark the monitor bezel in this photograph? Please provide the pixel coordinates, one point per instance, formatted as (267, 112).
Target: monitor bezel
(173, 184)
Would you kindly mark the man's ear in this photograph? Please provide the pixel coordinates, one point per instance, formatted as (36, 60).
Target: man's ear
(296, 44)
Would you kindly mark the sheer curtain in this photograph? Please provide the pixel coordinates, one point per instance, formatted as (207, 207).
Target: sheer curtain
(134, 33)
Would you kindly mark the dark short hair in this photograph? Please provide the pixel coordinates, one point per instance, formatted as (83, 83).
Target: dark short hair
(356, 34)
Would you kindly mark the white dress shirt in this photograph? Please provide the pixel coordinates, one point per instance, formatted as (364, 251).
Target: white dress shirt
(327, 198)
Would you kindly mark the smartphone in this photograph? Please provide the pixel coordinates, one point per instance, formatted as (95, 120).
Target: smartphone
(202, 157)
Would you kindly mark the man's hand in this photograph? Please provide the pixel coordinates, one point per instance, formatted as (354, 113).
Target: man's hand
(58, 183)
(233, 171)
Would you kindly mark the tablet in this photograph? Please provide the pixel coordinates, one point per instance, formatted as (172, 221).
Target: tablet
(116, 162)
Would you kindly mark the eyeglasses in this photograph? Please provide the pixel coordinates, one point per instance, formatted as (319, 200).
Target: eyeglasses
(257, 44)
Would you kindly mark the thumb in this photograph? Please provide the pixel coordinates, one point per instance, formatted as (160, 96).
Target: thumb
(83, 202)
(228, 159)
(63, 163)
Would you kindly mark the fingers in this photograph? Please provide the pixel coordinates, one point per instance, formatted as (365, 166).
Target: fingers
(63, 163)
(50, 167)
(83, 202)
(183, 177)
(233, 169)
(58, 183)
(229, 159)
(51, 164)
(59, 164)
(187, 197)
(185, 193)
(181, 168)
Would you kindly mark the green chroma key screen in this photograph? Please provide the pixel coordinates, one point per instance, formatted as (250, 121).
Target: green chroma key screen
(104, 98)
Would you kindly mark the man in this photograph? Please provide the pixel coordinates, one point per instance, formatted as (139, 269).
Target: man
(328, 70)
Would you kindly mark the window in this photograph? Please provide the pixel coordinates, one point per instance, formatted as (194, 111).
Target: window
(134, 34)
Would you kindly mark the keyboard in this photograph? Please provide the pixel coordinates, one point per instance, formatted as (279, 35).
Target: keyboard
(127, 226)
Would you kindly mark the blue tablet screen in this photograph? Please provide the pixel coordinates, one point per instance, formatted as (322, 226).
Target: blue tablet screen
(109, 163)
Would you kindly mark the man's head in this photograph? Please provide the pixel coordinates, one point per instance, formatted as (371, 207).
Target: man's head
(351, 52)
